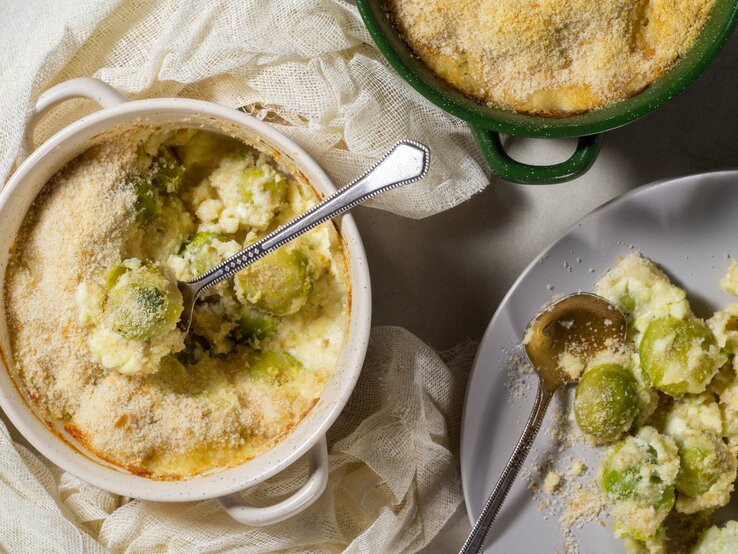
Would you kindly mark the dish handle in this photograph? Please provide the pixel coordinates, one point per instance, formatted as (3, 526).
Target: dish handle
(504, 166)
(82, 87)
(244, 513)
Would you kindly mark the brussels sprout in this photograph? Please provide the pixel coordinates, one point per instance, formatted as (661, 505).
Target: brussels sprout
(707, 469)
(679, 356)
(167, 171)
(201, 253)
(173, 375)
(142, 303)
(704, 458)
(113, 274)
(627, 483)
(147, 200)
(606, 401)
(254, 325)
(269, 366)
(638, 479)
(620, 484)
(205, 149)
(205, 379)
(278, 284)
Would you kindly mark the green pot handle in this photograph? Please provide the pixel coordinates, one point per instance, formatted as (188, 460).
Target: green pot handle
(505, 167)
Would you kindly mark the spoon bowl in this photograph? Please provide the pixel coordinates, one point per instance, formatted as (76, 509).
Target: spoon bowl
(581, 324)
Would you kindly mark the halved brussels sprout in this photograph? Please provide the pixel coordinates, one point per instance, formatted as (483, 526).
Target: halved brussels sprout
(254, 325)
(147, 200)
(704, 458)
(201, 251)
(269, 366)
(179, 378)
(679, 356)
(142, 303)
(628, 483)
(206, 149)
(606, 402)
(115, 273)
(620, 484)
(167, 171)
(279, 283)
(638, 479)
(205, 379)
(164, 175)
(707, 467)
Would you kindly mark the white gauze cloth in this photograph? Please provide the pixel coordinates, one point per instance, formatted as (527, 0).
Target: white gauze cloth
(393, 478)
(310, 69)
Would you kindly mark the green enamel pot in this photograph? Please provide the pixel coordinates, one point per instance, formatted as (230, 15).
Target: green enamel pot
(487, 123)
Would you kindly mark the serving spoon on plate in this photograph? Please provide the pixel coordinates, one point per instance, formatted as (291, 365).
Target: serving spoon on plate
(584, 322)
(406, 162)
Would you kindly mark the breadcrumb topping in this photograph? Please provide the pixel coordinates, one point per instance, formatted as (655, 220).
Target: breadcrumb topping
(552, 58)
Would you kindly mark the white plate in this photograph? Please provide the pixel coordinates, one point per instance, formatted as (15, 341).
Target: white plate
(687, 226)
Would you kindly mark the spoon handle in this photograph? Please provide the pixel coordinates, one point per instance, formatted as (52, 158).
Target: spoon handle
(406, 162)
(475, 542)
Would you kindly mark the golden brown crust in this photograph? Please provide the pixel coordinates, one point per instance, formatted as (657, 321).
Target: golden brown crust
(554, 59)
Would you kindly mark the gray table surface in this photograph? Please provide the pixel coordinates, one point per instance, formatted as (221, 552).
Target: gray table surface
(443, 277)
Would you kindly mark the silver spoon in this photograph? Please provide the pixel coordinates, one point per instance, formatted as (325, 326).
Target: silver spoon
(405, 163)
(585, 321)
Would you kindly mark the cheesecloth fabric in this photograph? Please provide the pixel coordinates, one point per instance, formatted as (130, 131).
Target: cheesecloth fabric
(309, 68)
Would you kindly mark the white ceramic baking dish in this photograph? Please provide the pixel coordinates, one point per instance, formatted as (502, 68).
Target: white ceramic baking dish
(309, 436)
